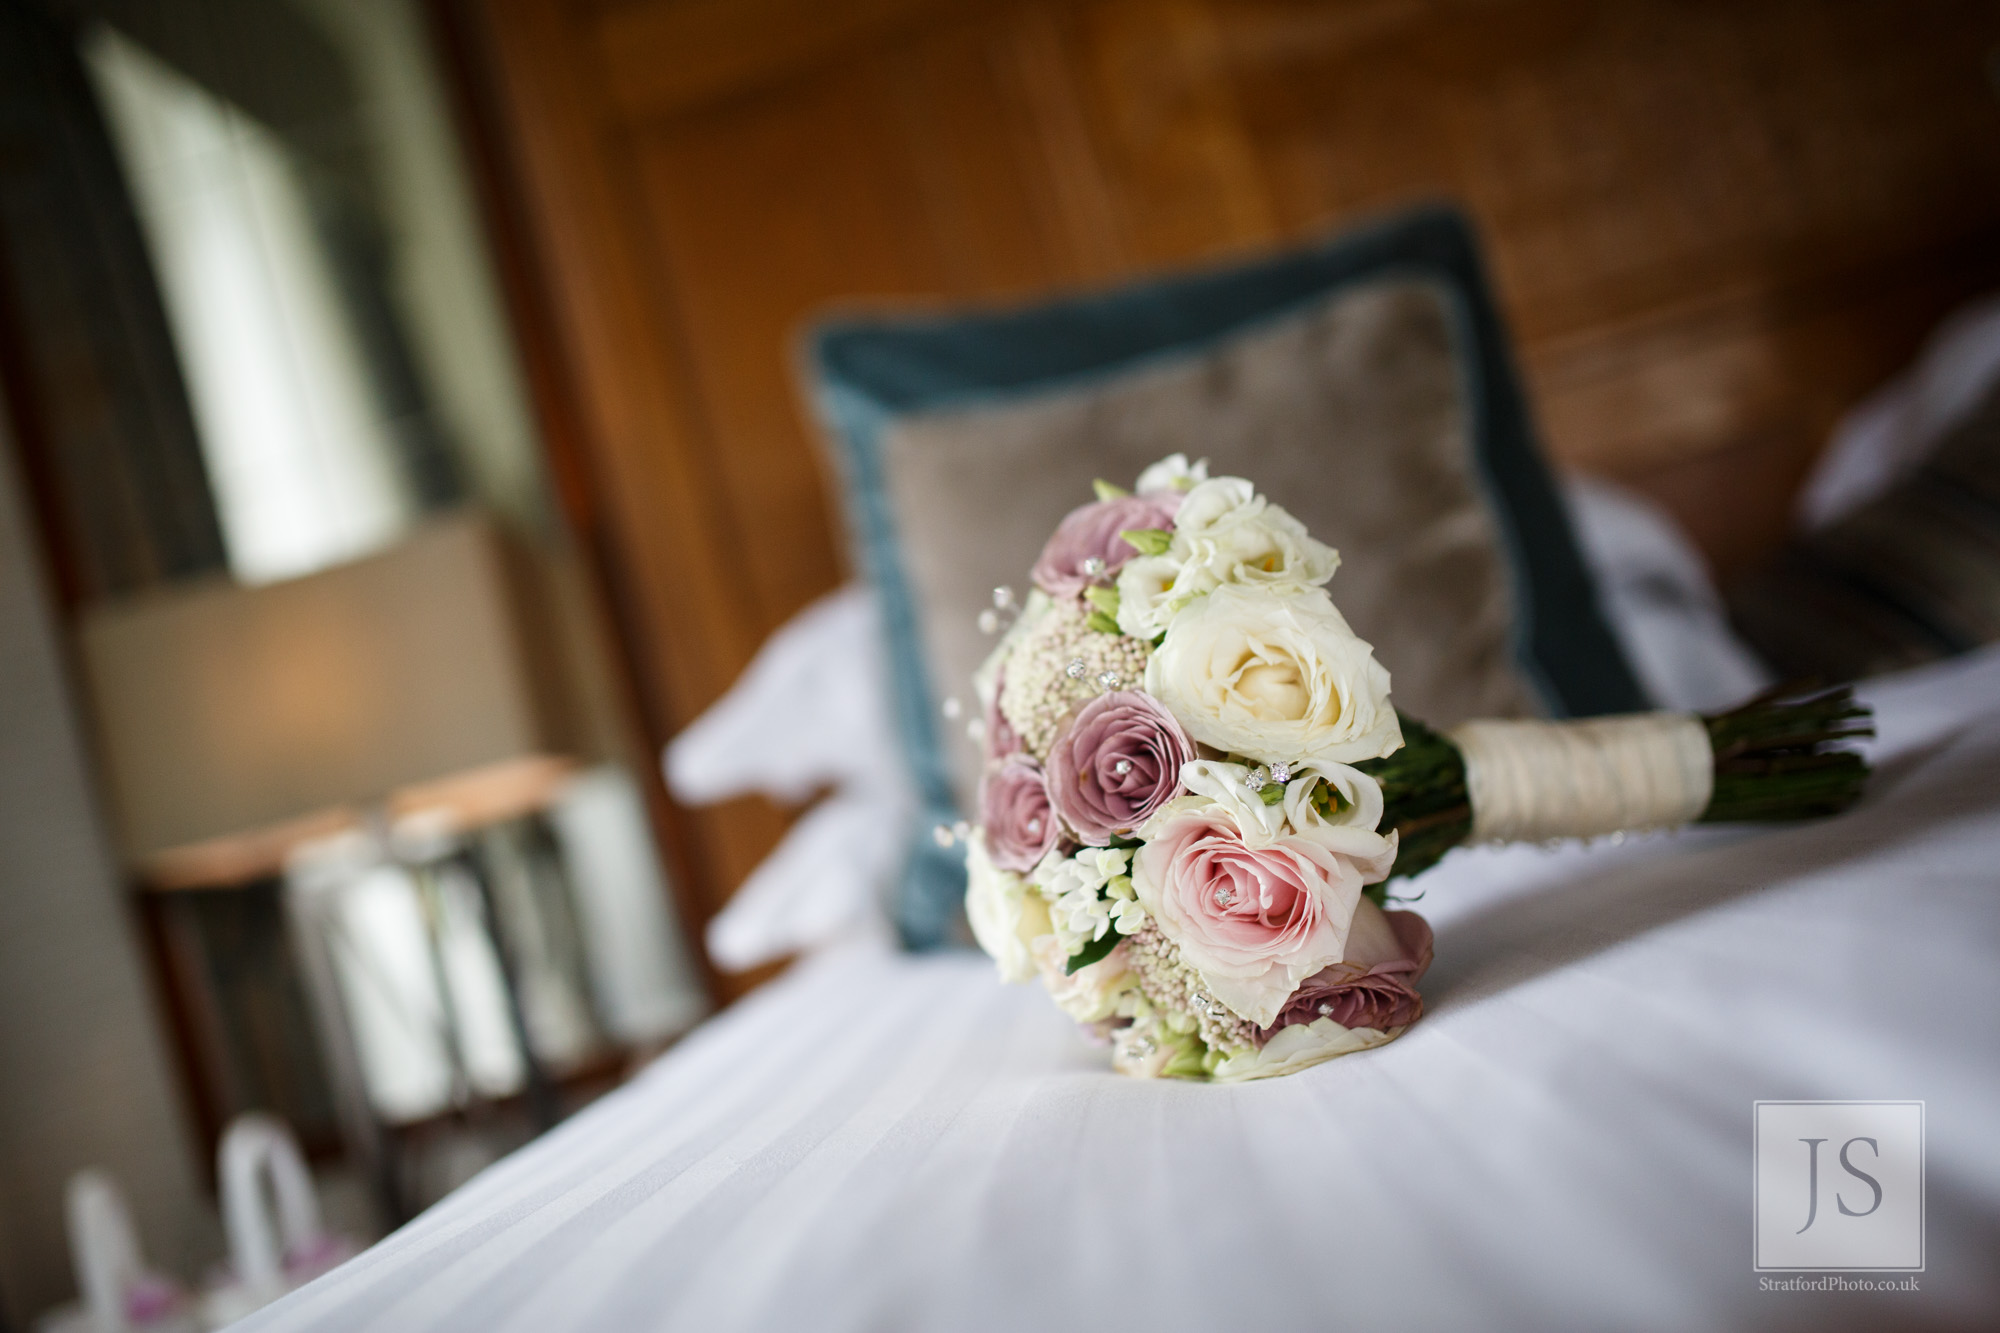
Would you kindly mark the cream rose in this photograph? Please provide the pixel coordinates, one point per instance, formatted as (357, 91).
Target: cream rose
(1006, 915)
(1274, 676)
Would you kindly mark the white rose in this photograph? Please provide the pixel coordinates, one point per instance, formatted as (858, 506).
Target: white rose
(1006, 917)
(1172, 473)
(1274, 677)
(1226, 533)
(1300, 1046)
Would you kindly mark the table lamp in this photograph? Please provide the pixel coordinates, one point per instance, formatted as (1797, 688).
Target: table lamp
(235, 722)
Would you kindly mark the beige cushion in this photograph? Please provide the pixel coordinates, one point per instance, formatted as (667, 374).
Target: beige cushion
(1350, 412)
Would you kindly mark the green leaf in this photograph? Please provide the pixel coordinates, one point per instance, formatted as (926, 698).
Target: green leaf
(1102, 623)
(1106, 491)
(1147, 541)
(1104, 599)
(1093, 951)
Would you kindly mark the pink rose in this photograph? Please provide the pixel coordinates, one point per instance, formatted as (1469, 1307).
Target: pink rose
(1116, 761)
(1090, 533)
(1375, 983)
(1014, 807)
(1254, 922)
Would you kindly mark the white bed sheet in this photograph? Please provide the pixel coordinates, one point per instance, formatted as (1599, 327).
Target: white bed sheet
(886, 1142)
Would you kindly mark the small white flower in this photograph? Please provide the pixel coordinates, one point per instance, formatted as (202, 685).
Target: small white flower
(1074, 887)
(1172, 473)
(1127, 912)
(1091, 868)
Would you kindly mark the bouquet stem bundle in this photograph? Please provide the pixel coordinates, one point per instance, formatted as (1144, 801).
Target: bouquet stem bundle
(1778, 757)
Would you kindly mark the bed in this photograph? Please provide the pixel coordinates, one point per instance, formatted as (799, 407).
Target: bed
(884, 1141)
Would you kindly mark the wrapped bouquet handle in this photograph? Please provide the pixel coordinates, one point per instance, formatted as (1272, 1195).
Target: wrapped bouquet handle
(1196, 789)
(1532, 780)
(1779, 757)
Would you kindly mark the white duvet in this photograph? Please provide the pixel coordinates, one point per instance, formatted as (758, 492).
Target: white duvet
(884, 1142)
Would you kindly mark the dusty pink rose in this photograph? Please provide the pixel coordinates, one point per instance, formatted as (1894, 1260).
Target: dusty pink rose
(1090, 532)
(1253, 921)
(1375, 983)
(1116, 760)
(1001, 738)
(1014, 807)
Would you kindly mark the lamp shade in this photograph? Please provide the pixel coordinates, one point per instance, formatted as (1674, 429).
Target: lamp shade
(224, 710)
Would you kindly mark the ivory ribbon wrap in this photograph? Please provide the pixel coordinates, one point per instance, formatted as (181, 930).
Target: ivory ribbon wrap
(1529, 781)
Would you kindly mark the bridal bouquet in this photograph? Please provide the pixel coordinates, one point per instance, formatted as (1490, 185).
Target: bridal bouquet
(1196, 787)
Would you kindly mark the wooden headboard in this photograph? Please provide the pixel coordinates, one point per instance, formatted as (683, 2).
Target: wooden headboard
(1714, 226)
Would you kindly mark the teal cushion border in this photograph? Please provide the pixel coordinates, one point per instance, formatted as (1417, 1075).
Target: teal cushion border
(870, 370)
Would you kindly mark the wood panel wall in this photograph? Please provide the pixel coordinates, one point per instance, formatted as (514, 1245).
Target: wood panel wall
(1714, 226)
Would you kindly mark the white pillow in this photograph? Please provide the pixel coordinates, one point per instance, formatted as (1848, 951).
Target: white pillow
(811, 711)
(1654, 588)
